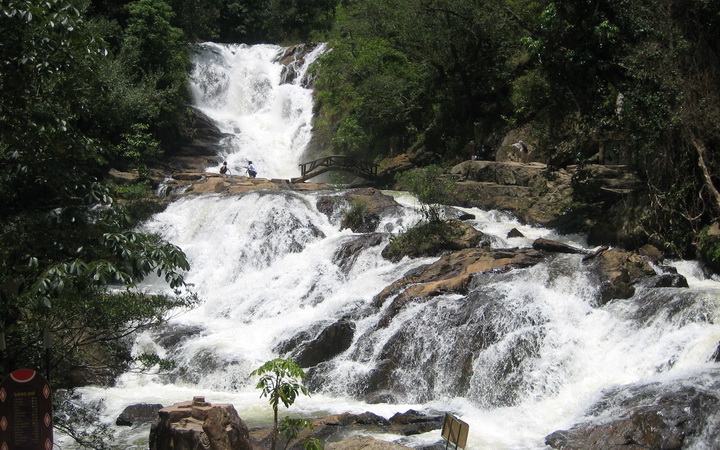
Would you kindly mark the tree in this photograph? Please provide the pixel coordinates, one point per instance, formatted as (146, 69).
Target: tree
(280, 381)
(69, 264)
(432, 74)
(157, 50)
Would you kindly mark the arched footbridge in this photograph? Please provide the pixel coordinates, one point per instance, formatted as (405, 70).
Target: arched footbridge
(359, 167)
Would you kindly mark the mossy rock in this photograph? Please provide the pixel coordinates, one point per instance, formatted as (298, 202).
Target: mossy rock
(432, 239)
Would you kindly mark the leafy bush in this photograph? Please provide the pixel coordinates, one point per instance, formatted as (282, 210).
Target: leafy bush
(359, 219)
(431, 188)
(426, 239)
(709, 249)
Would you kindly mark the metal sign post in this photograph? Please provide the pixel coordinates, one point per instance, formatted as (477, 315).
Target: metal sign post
(454, 431)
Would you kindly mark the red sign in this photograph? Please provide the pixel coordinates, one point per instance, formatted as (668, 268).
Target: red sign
(25, 412)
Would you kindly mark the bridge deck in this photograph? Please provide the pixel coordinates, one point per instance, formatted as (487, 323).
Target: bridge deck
(311, 169)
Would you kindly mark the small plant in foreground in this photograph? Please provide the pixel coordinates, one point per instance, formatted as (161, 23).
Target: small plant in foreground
(281, 381)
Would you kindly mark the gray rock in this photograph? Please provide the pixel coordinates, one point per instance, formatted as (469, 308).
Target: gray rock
(140, 413)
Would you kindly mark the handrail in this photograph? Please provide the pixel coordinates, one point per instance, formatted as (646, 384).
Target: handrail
(361, 167)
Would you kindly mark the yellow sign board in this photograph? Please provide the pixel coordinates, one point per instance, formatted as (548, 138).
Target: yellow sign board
(455, 431)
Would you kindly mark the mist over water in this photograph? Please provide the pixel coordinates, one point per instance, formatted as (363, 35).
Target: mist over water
(267, 268)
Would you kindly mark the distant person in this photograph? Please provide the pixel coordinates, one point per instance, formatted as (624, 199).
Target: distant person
(472, 150)
(522, 151)
(224, 169)
(251, 169)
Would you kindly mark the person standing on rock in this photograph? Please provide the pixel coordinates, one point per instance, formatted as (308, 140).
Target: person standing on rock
(251, 169)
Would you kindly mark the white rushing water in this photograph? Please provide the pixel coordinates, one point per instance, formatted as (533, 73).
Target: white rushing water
(266, 266)
(267, 121)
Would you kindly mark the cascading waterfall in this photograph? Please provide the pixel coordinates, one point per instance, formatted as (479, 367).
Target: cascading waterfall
(266, 120)
(523, 354)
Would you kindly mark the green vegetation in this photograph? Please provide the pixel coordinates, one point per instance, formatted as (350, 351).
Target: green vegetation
(638, 78)
(431, 188)
(281, 381)
(709, 249)
(88, 85)
(433, 234)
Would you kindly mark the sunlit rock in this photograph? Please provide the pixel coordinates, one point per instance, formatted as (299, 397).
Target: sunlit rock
(199, 424)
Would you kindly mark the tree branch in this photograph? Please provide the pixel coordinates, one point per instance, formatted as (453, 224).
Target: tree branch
(701, 150)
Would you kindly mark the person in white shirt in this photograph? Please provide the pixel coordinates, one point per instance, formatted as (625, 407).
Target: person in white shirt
(251, 169)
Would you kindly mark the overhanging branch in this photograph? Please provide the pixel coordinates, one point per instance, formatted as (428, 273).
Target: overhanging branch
(701, 151)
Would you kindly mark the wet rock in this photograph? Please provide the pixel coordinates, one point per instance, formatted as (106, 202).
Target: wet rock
(555, 246)
(138, 414)
(294, 58)
(650, 417)
(358, 209)
(346, 255)
(618, 271)
(171, 336)
(452, 274)
(670, 280)
(515, 233)
(652, 253)
(364, 443)
(332, 341)
(199, 424)
(412, 422)
(326, 428)
(716, 354)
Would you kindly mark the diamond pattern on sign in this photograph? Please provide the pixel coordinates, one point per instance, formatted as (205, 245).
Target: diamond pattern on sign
(47, 420)
(46, 391)
(48, 444)
(3, 395)
(4, 446)
(3, 423)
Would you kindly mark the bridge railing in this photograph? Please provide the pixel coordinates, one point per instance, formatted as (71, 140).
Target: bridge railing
(340, 162)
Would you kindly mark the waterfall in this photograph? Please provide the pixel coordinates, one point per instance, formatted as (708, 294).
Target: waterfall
(524, 353)
(266, 119)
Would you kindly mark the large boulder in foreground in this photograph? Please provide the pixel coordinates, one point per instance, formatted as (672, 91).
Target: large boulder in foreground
(199, 425)
(646, 417)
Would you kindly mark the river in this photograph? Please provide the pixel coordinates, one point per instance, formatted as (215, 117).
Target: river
(265, 265)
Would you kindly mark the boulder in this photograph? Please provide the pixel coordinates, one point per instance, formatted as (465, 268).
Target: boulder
(348, 252)
(140, 413)
(433, 239)
(360, 442)
(515, 233)
(551, 246)
(199, 425)
(359, 209)
(332, 341)
(412, 422)
(618, 270)
(452, 273)
(328, 428)
(650, 417)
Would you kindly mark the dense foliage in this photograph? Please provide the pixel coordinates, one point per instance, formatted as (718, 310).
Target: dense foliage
(622, 80)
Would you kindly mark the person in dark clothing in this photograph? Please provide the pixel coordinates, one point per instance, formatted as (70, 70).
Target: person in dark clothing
(224, 169)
